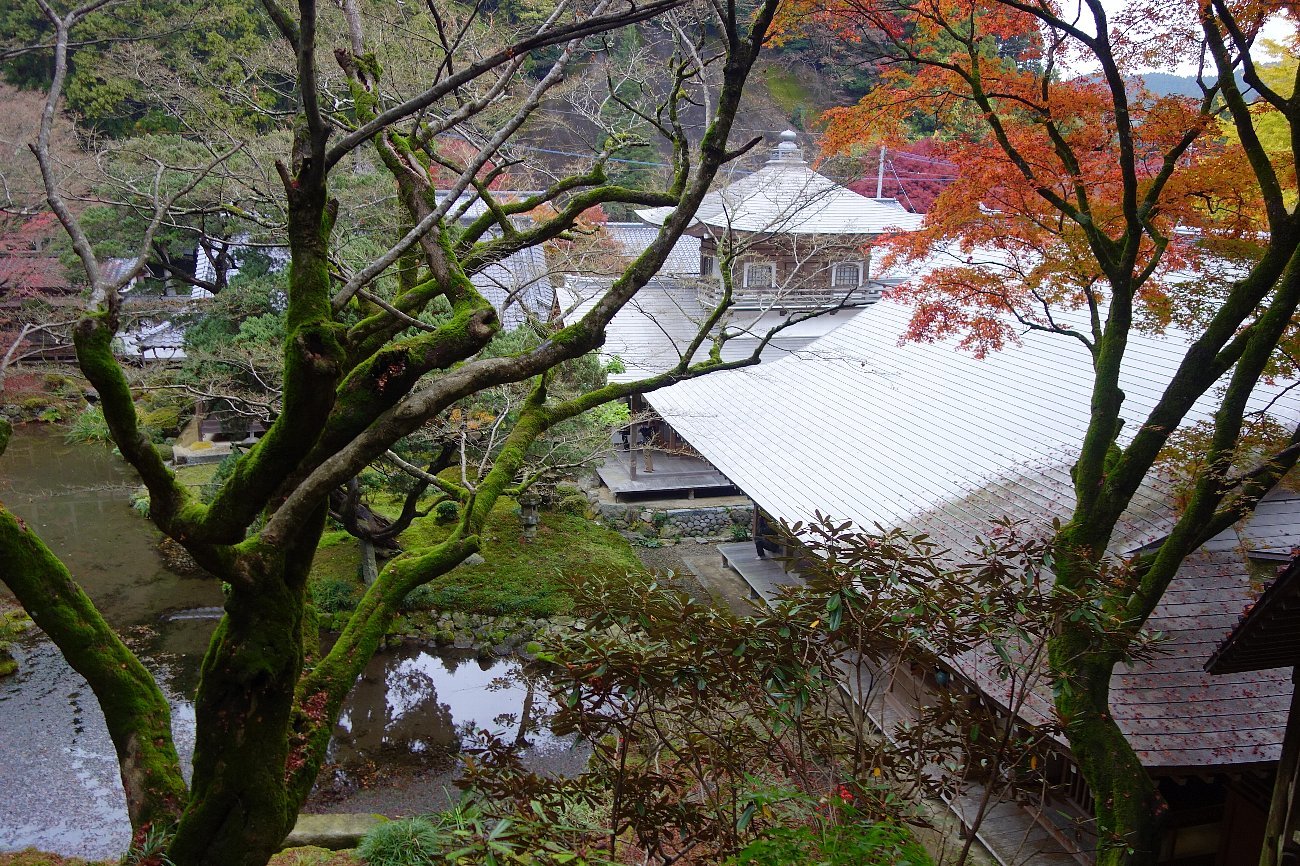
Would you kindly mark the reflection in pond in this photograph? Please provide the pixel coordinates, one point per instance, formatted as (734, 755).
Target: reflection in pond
(418, 708)
(59, 783)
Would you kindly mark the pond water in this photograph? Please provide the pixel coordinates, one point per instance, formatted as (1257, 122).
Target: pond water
(404, 723)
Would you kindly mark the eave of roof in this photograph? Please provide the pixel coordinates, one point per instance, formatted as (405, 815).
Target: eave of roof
(1268, 634)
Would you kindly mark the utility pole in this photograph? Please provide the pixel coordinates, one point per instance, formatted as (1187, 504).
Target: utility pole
(880, 174)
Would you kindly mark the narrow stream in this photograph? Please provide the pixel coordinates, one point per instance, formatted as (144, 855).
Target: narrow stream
(59, 788)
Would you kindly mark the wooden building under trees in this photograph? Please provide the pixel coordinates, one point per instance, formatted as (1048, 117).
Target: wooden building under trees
(795, 247)
(925, 437)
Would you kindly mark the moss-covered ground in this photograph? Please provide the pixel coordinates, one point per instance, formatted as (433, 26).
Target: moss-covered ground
(518, 577)
(521, 578)
(526, 577)
(196, 475)
(40, 858)
(315, 857)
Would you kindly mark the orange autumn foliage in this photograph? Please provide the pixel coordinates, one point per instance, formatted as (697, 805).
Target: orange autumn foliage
(1045, 166)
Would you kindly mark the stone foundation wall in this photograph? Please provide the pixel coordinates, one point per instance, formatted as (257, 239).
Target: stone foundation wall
(678, 522)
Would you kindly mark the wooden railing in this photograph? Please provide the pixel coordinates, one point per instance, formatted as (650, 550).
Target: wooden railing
(792, 297)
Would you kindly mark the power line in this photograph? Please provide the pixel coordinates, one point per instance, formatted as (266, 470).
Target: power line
(918, 158)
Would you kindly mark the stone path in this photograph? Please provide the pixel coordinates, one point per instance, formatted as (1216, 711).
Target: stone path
(1009, 834)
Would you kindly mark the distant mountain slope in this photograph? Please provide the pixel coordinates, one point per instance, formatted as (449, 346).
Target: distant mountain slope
(1168, 84)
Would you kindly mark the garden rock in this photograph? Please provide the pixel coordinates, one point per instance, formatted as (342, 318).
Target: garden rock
(334, 832)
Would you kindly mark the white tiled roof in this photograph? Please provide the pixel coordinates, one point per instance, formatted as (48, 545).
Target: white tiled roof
(921, 435)
(926, 437)
(653, 331)
(474, 205)
(635, 238)
(159, 342)
(785, 196)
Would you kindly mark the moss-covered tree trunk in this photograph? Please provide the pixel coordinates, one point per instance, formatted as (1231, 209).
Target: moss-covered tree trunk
(240, 808)
(1127, 806)
(352, 388)
(135, 710)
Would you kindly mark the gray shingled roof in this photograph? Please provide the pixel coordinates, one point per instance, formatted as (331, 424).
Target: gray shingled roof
(115, 269)
(1175, 714)
(519, 286)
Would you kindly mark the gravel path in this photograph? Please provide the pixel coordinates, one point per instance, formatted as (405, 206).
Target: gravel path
(698, 570)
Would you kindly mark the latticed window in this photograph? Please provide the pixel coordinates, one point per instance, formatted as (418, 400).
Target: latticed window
(708, 266)
(760, 275)
(846, 275)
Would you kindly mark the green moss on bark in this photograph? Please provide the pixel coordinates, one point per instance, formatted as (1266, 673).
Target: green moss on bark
(1082, 655)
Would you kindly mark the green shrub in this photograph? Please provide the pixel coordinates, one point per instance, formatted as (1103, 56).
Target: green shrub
(739, 532)
(404, 842)
(420, 598)
(333, 594)
(140, 501)
(852, 843)
(150, 849)
(225, 469)
(89, 426)
(161, 422)
(573, 503)
(446, 511)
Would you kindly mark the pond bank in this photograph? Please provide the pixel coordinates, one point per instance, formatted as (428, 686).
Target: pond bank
(411, 712)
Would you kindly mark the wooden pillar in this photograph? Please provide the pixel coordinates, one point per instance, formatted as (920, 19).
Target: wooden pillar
(1281, 811)
(369, 562)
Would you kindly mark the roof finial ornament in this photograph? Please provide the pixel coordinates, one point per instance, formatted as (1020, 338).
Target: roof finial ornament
(788, 150)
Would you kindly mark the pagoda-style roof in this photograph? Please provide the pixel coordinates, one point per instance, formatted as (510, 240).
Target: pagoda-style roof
(785, 196)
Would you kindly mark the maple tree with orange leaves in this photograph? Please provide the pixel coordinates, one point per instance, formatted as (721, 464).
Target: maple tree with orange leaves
(1088, 206)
